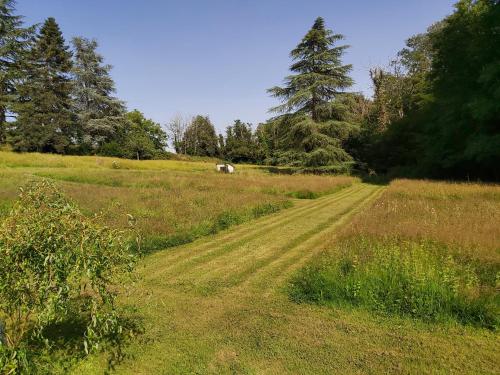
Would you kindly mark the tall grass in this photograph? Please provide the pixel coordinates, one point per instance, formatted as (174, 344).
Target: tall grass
(424, 250)
(172, 201)
(418, 280)
(465, 216)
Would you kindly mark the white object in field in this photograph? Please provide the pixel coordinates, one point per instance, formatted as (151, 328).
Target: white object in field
(224, 168)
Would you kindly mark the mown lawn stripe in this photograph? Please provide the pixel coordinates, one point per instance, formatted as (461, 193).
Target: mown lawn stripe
(200, 254)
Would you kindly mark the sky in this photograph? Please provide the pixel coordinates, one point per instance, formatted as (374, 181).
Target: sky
(218, 57)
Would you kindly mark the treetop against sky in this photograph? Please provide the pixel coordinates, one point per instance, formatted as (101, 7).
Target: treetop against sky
(219, 57)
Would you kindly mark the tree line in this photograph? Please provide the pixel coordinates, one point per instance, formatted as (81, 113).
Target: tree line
(60, 99)
(435, 109)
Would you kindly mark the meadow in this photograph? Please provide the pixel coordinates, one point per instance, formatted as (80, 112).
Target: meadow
(364, 278)
(172, 201)
(425, 250)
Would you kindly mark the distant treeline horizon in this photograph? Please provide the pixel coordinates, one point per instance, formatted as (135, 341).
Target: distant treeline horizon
(435, 110)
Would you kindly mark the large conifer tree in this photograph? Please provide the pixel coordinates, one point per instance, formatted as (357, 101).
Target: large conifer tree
(319, 75)
(99, 112)
(315, 106)
(45, 121)
(14, 41)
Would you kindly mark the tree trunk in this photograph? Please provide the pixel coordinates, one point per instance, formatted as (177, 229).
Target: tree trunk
(3, 123)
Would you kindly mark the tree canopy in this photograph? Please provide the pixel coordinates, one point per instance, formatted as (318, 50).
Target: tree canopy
(45, 122)
(200, 138)
(434, 111)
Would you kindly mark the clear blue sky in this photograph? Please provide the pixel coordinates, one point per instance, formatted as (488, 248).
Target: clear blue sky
(218, 57)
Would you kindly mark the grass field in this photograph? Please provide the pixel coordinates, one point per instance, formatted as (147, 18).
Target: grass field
(173, 201)
(244, 301)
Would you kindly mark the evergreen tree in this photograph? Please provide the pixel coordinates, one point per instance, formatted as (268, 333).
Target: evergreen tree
(200, 138)
(97, 109)
(45, 122)
(315, 123)
(14, 41)
(320, 76)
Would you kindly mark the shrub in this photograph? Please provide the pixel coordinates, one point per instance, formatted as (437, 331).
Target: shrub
(55, 263)
(412, 279)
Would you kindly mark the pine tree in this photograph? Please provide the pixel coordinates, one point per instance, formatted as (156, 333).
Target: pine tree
(93, 90)
(320, 75)
(14, 41)
(45, 122)
(315, 106)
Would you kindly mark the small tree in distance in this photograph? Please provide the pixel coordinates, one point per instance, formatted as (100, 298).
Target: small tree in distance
(200, 138)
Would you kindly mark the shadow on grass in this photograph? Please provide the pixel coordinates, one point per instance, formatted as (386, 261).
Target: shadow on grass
(379, 180)
(62, 347)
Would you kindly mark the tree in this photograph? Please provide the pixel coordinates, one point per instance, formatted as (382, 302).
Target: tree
(240, 144)
(438, 115)
(405, 85)
(14, 42)
(144, 138)
(175, 130)
(320, 76)
(45, 122)
(315, 121)
(200, 138)
(98, 110)
(462, 135)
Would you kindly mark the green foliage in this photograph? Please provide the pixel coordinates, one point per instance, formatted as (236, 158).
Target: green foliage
(240, 144)
(45, 121)
(464, 136)
(14, 42)
(98, 111)
(401, 278)
(56, 264)
(200, 138)
(437, 113)
(136, 137)
(317, 119)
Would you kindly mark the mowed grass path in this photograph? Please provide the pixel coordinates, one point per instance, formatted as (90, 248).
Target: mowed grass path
(217, 306)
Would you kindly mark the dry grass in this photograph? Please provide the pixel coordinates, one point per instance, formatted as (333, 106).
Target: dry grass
(166, 197)
(426, 250)
(460, 215)
(24, 160)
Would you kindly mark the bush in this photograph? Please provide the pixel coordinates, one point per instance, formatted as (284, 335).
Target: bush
(56, 264)
(402, 278)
